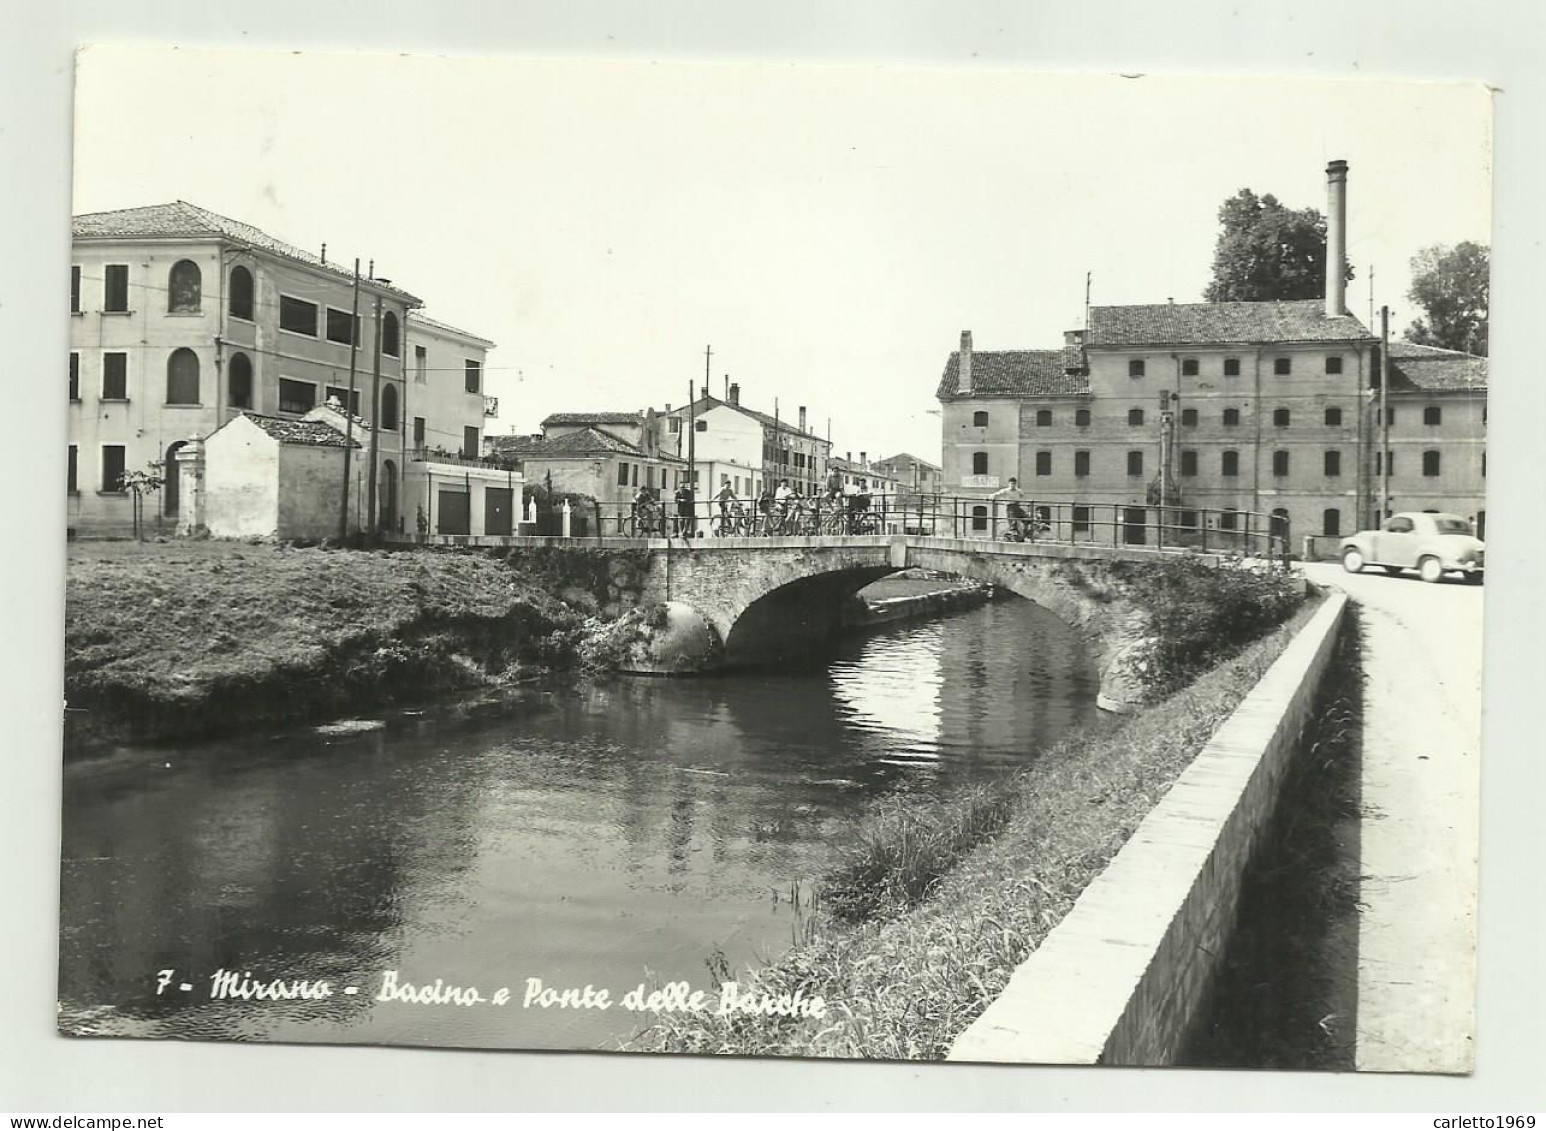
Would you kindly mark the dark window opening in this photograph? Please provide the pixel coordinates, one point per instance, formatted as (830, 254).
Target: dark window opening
(115, 288)
(1280, 463)
(700, 425)
(622, 474)
(1334, 417)
(1044, 418)
(1430, 463)
(115, 376)
(299, 316)
(1043, 463)
(1189, 367)
(1333, 463)
(240, 383)
(1081, 520)
(1135, 416)
(182, 377)
(1280, 418)
(1331, 522)
(1282, 366)
(1433, 414)
(979, 463)
(296, 396)
(75, 290)
(75, 376)
(1231, 417)
(1230, 464)
(184, 288)
(340, 394)
(389, 408)
(70, 484)
(979, 420)
(1188, 463)
(389, 334)
(1189, 520)
(1082, 417)
(1231, 367)
(338, 323)
(470, 443)
(1135, 463)
(1135, 367)
(241, 294)
(112, 467)
(418, 430)
(1227, 519)
(1189, 418)
(1081, 463)
(979, 518)
(1334, 364)
(420, 365)
(472, 372)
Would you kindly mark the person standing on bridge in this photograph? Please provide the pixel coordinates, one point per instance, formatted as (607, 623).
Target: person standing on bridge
(686, 520)
(1012, 497)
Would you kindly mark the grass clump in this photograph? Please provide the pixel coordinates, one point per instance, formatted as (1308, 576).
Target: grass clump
(923, 925)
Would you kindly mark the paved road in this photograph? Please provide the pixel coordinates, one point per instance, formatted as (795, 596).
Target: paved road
(1419, 836)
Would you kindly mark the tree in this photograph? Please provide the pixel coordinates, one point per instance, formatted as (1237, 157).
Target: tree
(1451, 285)
(139, 484)
(1266, 251)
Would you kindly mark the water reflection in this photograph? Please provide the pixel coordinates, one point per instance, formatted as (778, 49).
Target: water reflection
(603, 833)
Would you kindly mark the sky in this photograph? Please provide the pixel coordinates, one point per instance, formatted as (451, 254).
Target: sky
(828, 230)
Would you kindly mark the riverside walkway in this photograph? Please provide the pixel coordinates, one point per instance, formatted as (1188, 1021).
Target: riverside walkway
(1419, 833)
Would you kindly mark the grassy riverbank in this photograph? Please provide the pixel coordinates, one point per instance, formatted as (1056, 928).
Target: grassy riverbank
(939, 901)
(183, 638)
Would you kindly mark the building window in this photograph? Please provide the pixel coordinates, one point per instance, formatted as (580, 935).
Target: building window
(472, 373)
(622, 474)
(1043, 463)
(1390, 415)
(1231, 417)
(700, 425)
(1333, 463)
(298, 316)
(1135, 416)
(1135, 367)
(1334, 364)
(115, 288)
(1135, 463)
(1430, 463)
(184, 288)
(296, 396)
(1331, 523)
(1044, 418)
(1280, 463)
(1082, 417)
(470, 443)
(389, 408)
(389, 344)
(1189, 520)
(1230, 464)
(1231, 367)
(1389, 464)
(1484, 465)
(979, 420)
(70, 485)
(182, 377)
(1188, 463)
(1282, 366)
(1280, 418)
(1227, 518)
(979, 518)
(75, 376)
(418, 430)
(1081, 463)
(1433, 414)
(1189, 418)
(674, 426)
(1081, 520)
(115, 376)
(342, 395)
(240, 303)
(1334, 418)
(112, 467)
(240, 383)
(979, 463)
(338, 323)
(420, 365)
(1189, 367)
(75, 290)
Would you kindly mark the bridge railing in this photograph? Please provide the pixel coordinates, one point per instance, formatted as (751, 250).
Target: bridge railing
(1205, 529)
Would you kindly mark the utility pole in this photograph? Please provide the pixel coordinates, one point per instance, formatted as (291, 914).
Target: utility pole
(354, 346)
(1384, 461)
(692, 448)
(375, 429)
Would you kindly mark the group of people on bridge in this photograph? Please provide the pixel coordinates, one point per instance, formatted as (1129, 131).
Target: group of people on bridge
(840, 508)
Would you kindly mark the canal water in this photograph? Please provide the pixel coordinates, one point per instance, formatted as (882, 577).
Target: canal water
(609, 832)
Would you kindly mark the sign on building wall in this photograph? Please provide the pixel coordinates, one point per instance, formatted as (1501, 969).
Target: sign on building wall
(979, 481)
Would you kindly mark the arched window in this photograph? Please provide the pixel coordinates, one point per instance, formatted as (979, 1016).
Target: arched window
(182, 377)
(1231, 464)
(1430, 463)
(389, 408)
(979, 463)
(240, 384)
(389, 334)
(183, 287)
(1331, 522)
(241, 293)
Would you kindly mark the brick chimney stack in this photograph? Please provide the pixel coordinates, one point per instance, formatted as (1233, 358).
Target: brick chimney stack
(1336, 239)
(802, 418)
(735, 393)
(964, 382)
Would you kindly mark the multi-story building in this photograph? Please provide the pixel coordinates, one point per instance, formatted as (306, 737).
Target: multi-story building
(728, 432)
(913, 474)
(182, 319)
(606, 456)
(1212, 409)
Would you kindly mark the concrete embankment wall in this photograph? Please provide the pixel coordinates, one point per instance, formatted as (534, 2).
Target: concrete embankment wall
(1121, 979)
(862, 614)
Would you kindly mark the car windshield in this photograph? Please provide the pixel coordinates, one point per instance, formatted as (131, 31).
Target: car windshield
(1452, 526)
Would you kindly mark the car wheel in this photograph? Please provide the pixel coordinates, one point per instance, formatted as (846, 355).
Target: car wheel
(1430, 569)
(1352, 561)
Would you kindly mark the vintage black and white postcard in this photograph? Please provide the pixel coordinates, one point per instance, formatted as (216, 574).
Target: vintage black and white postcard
(866, 562)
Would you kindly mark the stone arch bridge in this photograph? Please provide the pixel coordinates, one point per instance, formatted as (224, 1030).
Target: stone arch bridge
(729, 598)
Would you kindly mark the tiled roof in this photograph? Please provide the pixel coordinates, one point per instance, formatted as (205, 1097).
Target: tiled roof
(782, 423)
(571, 445)
(1207, 323)
(592, 418)
(421, 319)
(1000, 373)
(1415, 368)
(314, 433)
(906, 459)
(181, 220)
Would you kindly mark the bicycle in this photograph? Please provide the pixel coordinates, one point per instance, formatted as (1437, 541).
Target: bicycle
(645, 522)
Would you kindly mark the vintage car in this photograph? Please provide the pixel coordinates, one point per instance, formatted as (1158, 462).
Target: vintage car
(1431, 543)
